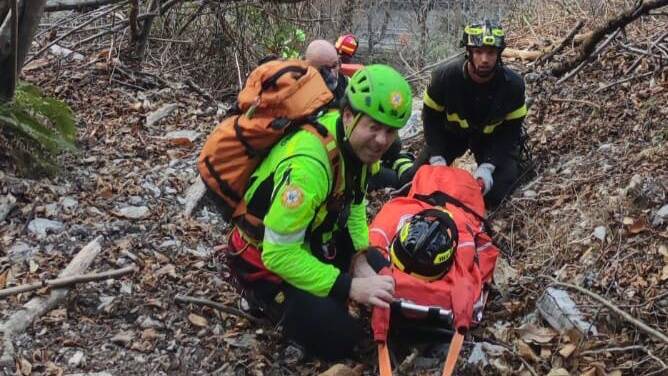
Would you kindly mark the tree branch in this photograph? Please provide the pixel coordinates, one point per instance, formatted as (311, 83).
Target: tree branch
(59, 5)
(38, 306)
(611, 25)
(637, 323)
(68, 281)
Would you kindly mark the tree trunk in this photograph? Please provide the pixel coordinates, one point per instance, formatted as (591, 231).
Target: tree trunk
(15, 40)
(8, 51)
(145, 31)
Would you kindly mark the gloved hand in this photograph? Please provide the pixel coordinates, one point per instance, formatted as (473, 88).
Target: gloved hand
(437, 160)
(484, 172)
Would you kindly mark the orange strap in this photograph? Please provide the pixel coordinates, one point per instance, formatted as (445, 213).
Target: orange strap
(453, 354)
(384, 364)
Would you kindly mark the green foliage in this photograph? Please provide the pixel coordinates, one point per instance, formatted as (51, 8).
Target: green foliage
(277, 36)
(34, 129)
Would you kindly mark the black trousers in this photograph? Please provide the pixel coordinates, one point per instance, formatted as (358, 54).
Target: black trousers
(321, 325)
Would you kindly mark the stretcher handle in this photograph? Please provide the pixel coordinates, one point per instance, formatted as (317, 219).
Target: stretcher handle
(453, 354)
(406, 306)
(384, 363)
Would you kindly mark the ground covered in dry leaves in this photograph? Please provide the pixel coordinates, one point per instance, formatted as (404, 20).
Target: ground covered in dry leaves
(594, 216)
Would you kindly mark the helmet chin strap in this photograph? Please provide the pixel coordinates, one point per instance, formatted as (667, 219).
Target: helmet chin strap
(349, 130)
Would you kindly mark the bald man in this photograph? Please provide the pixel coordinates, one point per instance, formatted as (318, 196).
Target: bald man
(322, 55)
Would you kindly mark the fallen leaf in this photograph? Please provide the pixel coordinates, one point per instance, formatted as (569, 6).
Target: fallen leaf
(558, 372)
(33, 266)
(638, 226)
(24, 366)
(664, 273)
(532, 333)
(198, 320)
(181, 142)
(545, 353)
(628, 221)
(567, 350)
(526, 352)
(3, 279)
(149, 333)
(339, 370)
(168, 269)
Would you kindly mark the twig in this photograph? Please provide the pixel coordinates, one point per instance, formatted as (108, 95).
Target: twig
(589, 58)
(614, 349)
(576, 101)
(648, 52)
(199, 90)
(563, 43)
(218, 306)
(623, 80)
(637, 323)
(427, 67)
(236, 61)
(91, 20)
(67, 281)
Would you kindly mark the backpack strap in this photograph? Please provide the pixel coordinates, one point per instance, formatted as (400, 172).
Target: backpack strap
(439, 198)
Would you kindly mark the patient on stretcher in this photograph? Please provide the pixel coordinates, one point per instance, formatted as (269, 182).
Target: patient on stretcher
(433, 242)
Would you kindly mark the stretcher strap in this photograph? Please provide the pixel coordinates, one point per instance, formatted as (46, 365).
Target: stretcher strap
(384, 364)
(453, 354)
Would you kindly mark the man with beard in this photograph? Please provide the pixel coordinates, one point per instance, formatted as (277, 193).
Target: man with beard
(475, 103)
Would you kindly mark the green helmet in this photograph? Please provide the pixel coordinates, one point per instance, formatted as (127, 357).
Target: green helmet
(484, 34)
(382, 93)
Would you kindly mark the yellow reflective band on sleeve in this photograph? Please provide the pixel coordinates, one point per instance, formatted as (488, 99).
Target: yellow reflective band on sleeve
(455, 118)
(490, 128)
(520, 112)
(429, 102)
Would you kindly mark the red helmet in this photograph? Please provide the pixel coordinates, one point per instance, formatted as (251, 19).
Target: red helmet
(346, 45)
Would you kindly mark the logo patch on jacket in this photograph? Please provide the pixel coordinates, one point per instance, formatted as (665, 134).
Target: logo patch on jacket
(292, 196)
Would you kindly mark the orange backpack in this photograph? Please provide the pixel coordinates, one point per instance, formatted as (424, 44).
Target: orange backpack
(279, 97)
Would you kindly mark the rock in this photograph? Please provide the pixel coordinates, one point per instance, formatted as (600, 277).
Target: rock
(660, 216)
(66, 52)
(7, 203)
(76, 359)
(20, 252)
(146, 322)
(51, 210)
(105, 304)
(134, 212)
(504, 275)
(152, 188)
(69, 203)
(92, 210)
(41, 226)
(161, 113)
(600, 232)
(559, 310)
(193, 196)
(126, 288)
(481, 353)
(188, 134)
(123, 338)
(529, 193)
